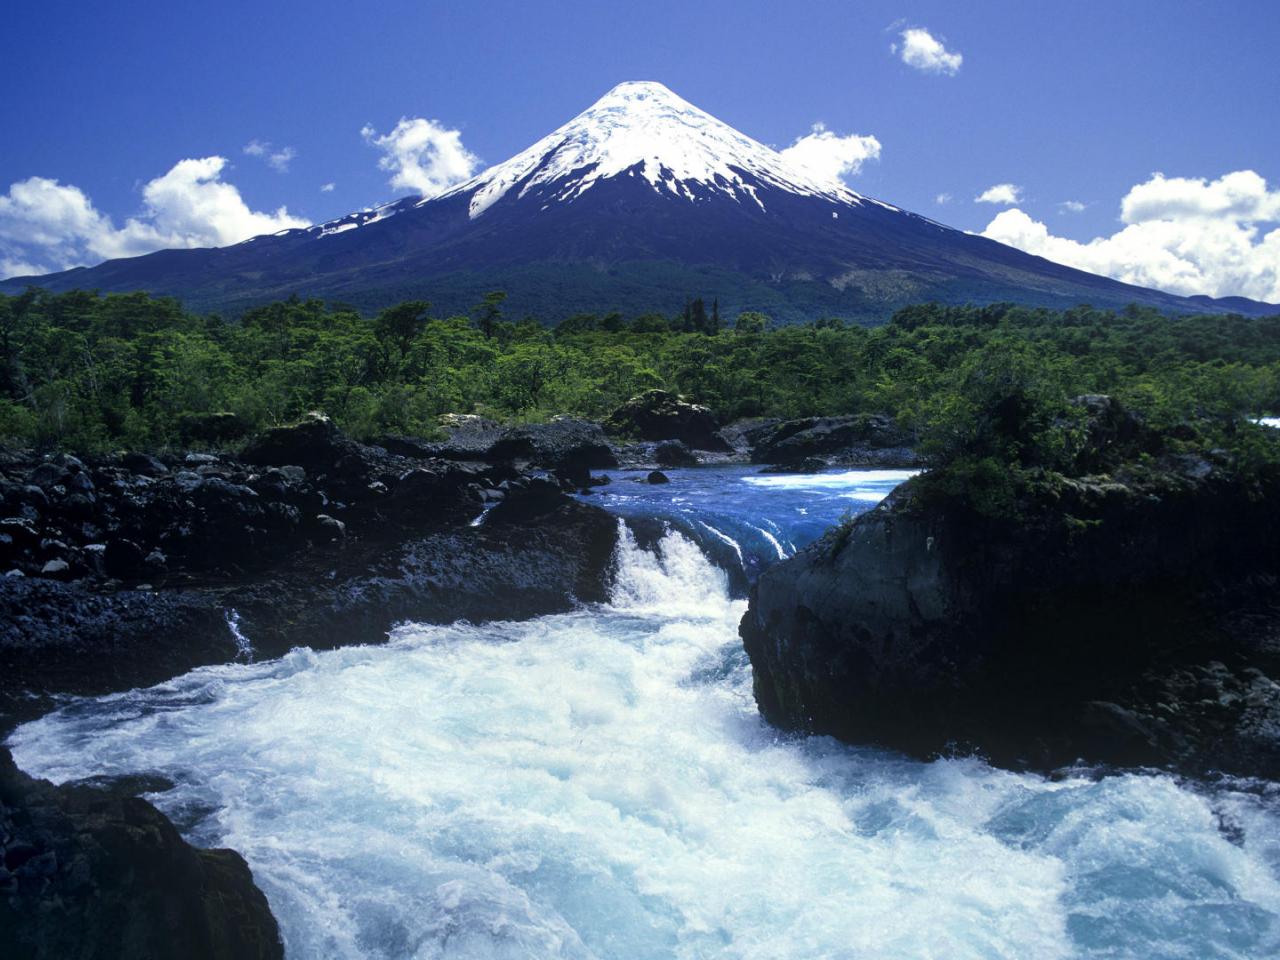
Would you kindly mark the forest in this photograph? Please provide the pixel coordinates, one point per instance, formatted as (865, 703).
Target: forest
(93, 373)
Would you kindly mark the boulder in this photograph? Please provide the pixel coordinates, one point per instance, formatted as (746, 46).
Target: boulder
(861, 438)
(657, 476)
(96, 872)
(569, 447)
(1128, 619)
(313, 443)
(673, 453)
(659, 415)
(807, 465)
(144, 464)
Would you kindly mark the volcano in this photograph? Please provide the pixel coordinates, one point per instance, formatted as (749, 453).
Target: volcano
(637, 204)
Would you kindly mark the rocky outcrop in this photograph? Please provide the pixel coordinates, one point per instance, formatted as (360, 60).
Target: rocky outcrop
(859, 440)
(568, 447)
(659, 415)
(1126, 618)
(156, 555)
(126, 571)
(92, 872)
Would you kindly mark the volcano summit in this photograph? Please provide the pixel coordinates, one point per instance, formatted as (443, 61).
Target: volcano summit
(637, 204)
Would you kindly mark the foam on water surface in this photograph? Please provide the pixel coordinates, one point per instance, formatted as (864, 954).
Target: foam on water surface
(599, 784)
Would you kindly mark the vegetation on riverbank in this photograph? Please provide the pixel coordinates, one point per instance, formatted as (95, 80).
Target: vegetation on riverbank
(86, 372)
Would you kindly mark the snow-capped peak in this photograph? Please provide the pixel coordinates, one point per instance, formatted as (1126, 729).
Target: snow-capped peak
(641, 128)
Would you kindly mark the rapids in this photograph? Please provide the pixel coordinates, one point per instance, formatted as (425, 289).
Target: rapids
(599, 784)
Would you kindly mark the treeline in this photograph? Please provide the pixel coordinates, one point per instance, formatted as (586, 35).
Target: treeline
(89, 372)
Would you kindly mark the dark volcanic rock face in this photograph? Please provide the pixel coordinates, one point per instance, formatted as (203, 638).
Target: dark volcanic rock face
(1121, 622)
(862, 439)
(125, 572)
(91, 873)
(658, 415)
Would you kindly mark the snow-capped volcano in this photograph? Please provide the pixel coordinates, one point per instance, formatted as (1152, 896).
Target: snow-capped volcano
(641, 129)
(637, 204)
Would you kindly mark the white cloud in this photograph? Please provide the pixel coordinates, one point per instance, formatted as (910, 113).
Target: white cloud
(46, 225)
(278, 160)
(942, 199)
(920, 49)
(326, 188)
(1184, 235)
(824, 155)
(422, 155)
(1005, 193)
(1072, 206)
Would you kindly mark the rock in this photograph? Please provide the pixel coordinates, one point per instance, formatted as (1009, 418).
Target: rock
(863, 438)
(1088, 623)
(659, 415)
(673, 453)
(527, 501)
(313, 443)
(48, 475)
(470, 436)
(96, 873)
(124, 560)
(657, 476)
(144, 464)
(156, 564)
(80, 483)
(330, 529)
(807, 465)
(58, 569)
(571, 448)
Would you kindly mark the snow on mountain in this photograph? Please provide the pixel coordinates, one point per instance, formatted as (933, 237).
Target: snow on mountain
(641, 128)
(637, 204)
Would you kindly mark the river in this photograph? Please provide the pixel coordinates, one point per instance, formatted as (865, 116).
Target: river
(599, 784)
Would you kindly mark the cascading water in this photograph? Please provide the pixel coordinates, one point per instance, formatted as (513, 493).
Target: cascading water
(599, 784)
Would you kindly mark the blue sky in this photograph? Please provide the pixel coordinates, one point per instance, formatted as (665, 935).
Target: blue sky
(1075, 101)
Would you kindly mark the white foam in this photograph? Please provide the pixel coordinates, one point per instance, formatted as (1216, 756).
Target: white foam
(831, 481)
(599, 785)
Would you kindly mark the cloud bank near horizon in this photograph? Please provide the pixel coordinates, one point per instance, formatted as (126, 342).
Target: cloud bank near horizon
(46, 226)
(1184, 235)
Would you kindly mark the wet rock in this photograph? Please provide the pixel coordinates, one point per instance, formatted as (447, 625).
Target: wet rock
(807, 465)
(657, 476)
(673, 453)
(89, 872)
(659, 415)
(1131, 621)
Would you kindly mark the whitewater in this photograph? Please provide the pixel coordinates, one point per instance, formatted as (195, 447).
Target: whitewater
(598, 784)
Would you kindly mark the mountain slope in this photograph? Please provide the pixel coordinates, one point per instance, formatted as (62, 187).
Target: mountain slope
(637, 204)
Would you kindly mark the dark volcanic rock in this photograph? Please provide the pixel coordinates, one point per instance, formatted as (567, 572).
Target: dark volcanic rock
(331, 554)
(658, 415)
(314, 443)
(91, 873)
(1130, 619)
(571, 448)
(863, 439)
(673, 453)
(807, 465)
